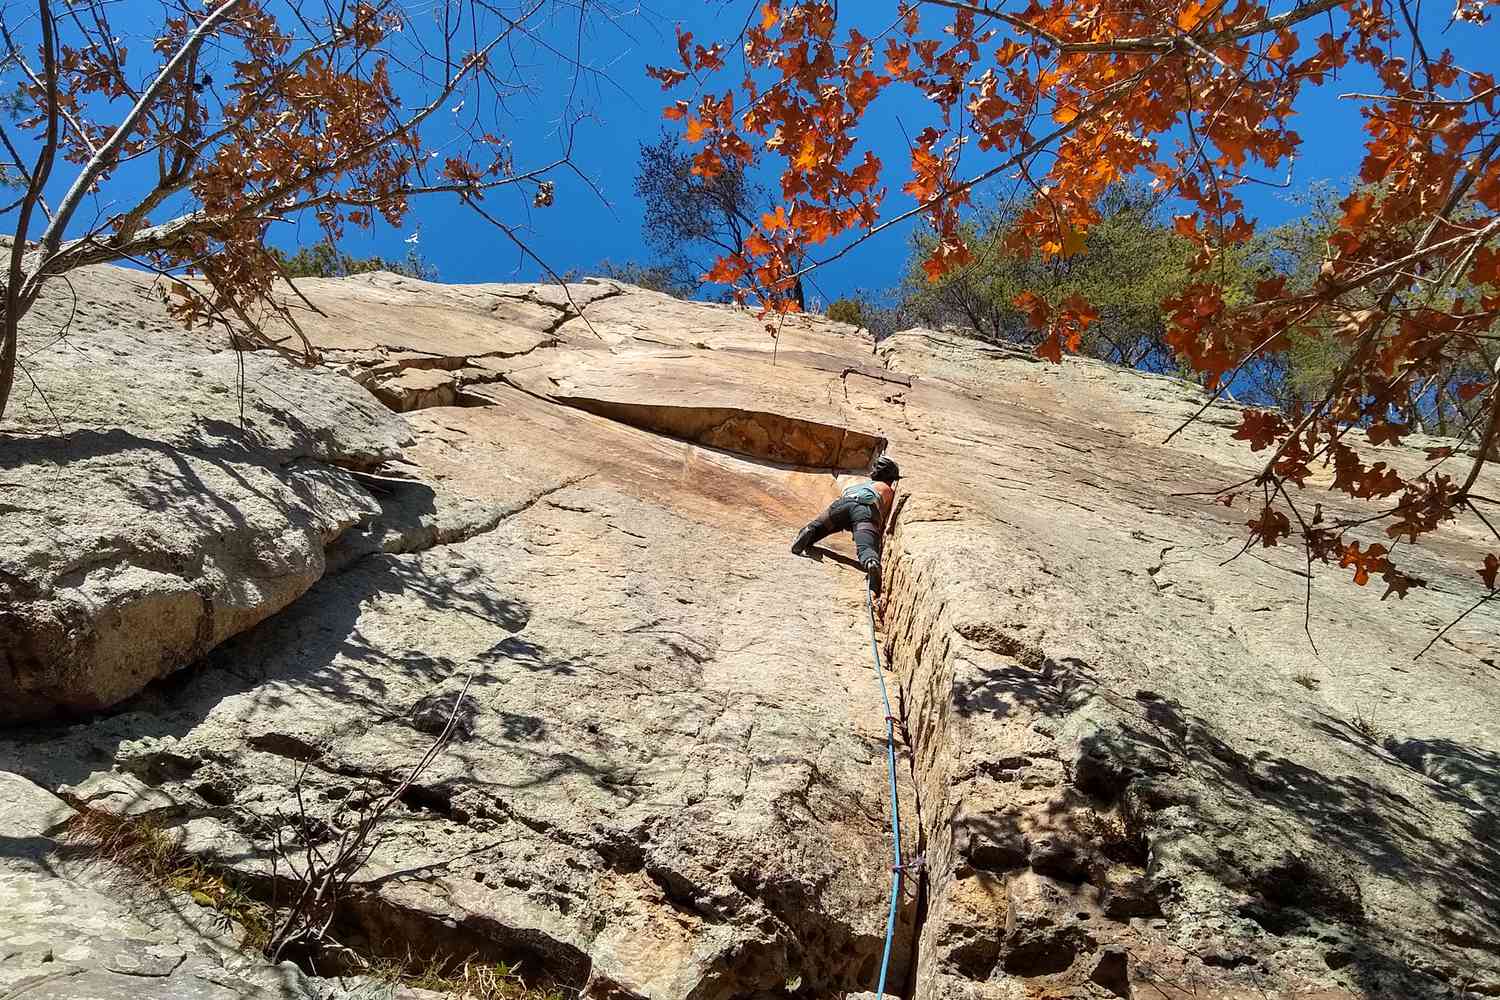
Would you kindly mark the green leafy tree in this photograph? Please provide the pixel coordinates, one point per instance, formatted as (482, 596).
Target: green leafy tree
(881, 312)
(1301, 374)
(1126, 265)
(324, 260)
(670, 279)
(847, 310)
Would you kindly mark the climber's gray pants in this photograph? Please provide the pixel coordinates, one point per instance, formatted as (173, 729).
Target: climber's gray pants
(846, 514)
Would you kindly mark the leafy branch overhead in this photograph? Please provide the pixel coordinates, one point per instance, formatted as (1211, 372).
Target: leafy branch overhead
(244, 113)
(1070, 100)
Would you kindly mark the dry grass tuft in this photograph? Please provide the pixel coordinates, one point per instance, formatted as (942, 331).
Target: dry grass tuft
(144, 849)
(1364, 724)
(469, 978)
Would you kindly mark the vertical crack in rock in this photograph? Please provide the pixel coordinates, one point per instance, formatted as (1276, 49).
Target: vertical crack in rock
(923, 877)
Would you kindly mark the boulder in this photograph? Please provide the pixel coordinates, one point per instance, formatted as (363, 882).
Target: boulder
(159, 494)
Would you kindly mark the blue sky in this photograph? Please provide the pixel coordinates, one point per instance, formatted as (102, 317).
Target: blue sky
(624, 107)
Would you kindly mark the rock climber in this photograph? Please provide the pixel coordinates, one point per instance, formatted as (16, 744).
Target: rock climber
(862, 510)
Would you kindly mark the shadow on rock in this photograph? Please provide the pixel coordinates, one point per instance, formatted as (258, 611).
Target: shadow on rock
(1297, 841)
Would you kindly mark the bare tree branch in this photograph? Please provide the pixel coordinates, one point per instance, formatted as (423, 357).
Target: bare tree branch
(101, 160)
(1152, 43)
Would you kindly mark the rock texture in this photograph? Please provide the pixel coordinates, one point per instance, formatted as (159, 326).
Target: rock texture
(159, 494)
(74, 930)
(1127, 769)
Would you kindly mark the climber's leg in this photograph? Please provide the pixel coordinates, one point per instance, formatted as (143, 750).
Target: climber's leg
(867, 545)
(867, 541)
(835, 518)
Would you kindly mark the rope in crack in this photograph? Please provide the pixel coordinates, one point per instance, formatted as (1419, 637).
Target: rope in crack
(890, 754)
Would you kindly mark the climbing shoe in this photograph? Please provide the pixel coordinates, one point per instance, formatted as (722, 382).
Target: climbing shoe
(872, 570)
(804, 539)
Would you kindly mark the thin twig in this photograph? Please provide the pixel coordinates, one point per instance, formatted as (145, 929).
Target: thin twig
(1447, 628)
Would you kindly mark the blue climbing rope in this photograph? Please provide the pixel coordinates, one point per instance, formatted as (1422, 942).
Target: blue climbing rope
(890, 754)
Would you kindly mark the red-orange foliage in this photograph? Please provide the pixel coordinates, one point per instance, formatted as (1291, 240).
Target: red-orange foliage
(1197, 95)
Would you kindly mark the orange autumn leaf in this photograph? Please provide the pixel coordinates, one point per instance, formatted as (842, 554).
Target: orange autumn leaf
(1269, 527)
(736, 147)
(669, 77)
(1260, 427)
(1079, 311)
(927, 174)
(1073, 242)
(1356, 209)
(1371, 560)
(864, 176)
(1035, 307)
(807, 157)
(1285, 46)
(708, 164)
(816, 226)
(897, 57)
(1486, 269)
(727, 270)
(1468, 390)
(1050, 348)
(1190, 14)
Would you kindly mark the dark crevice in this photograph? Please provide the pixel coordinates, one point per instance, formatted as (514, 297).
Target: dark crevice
(466, 373)
(772, 438)
(756, 434)
(432, 799)
(919, 915)
(922, 891)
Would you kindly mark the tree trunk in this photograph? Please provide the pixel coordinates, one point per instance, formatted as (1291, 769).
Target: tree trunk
(7, 361)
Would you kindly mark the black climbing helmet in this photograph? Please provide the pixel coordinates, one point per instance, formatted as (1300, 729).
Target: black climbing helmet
(885, 470)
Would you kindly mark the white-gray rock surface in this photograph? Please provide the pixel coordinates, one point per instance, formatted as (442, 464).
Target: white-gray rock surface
(80, 931)
(159, 494)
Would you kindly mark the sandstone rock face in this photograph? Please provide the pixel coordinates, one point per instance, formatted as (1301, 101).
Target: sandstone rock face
(1126, 768)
